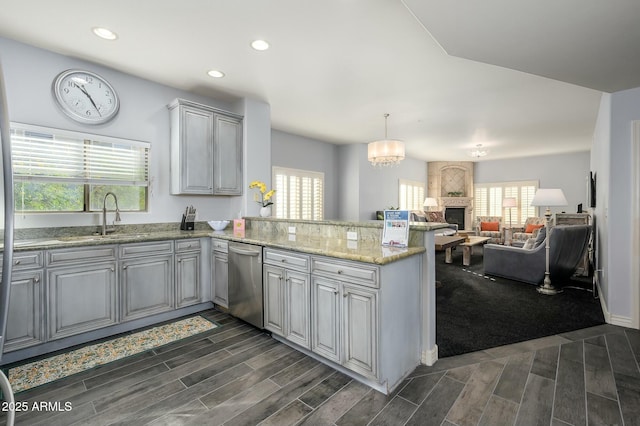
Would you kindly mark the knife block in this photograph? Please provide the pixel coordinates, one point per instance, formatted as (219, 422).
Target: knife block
(186, 226)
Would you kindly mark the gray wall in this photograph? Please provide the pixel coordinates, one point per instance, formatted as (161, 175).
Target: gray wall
(29, 73)
(565, 171)
(617, 204)
(364, 189)
(600, 161)
(298, 152)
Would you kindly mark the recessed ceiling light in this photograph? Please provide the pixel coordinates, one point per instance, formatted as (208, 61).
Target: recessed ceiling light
(259, 44)
(216, 74)
(105, 33)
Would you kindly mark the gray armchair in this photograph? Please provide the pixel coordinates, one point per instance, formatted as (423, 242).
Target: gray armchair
(567, 246)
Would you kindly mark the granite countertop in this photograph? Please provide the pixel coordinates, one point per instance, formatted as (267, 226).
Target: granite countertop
(360, 251)
(363, 250)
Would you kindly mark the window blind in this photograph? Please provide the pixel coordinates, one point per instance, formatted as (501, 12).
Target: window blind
(299, 194)
(49, 155)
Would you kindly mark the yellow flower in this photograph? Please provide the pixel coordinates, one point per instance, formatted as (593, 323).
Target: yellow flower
(262, 187)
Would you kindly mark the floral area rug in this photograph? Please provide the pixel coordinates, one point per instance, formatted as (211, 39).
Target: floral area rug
(46, 370)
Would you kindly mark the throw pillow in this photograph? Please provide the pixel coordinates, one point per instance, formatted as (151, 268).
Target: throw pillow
(530, 228)
(528, 245)
(490, 226)
(435, 217)
(540, 238)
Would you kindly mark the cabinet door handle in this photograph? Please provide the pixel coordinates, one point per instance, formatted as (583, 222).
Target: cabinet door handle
(339, 271)
(283, 260)
(125, 267)
(345, 294)
(17, 262)
(36, 279)
(112, 270)
(179, 260)
(335, 291)
(288, 279)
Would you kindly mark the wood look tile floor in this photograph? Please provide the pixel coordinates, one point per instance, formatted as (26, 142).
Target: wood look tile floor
(237, 375)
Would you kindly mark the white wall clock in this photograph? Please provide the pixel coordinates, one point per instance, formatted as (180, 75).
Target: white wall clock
(85, 96)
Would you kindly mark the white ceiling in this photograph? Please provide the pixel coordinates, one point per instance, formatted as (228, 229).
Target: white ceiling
(337, 66)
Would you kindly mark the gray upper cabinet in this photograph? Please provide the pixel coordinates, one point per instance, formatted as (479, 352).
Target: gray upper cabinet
(227, 157)
(206, 150)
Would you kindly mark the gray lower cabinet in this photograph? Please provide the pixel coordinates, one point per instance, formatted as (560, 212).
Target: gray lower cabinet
(220, 272)
(286, 304)
(81, 290)
(25, 319)
(146, 279)
(360, 325)
(325, 318)
(287, 298)
(344, 309)
(81, 298)
(187, 264)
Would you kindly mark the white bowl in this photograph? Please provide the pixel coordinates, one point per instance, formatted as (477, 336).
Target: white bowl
(218, 225)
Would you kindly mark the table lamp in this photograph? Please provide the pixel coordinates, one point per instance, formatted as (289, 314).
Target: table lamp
(430, 202)
(548, 198)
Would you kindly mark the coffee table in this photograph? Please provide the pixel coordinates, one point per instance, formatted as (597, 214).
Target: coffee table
(447, 243)
(467, 247)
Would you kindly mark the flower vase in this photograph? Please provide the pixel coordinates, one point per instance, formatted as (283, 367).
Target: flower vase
(265, 211)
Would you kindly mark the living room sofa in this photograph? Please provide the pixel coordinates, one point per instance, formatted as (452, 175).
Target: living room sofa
(436, 217)
(567, 246)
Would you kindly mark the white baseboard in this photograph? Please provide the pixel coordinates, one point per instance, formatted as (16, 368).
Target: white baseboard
(429, 357)
(612, 318)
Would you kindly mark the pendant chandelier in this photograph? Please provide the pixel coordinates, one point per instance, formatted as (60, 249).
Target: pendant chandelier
(478, 152)
(386, 152)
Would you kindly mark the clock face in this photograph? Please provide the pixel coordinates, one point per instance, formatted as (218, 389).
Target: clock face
(85, 96)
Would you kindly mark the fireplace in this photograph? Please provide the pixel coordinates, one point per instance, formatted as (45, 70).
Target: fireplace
(455, 216)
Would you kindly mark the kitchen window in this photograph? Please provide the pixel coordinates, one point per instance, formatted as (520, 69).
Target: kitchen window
(299, 194)
(488, 200)
(411, 195)
(62, 171)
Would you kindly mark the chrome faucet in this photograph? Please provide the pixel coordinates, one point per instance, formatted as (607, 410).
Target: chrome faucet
(106, 229)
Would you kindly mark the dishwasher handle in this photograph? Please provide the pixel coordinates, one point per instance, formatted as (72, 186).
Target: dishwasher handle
(244, 252)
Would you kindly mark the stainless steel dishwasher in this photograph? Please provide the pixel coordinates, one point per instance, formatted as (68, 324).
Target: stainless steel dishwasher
(245, 283)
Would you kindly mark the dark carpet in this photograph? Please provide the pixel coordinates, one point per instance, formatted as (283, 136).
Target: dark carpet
(475, 312)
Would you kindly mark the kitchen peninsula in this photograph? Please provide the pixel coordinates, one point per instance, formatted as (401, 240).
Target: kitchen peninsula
(372, 308)
(365, 309)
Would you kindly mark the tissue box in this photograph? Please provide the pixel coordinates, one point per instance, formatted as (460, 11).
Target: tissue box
(238, 227)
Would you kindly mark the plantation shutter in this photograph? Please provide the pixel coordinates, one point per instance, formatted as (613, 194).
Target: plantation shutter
(299, 194)
(489, 196)
(411, 195)
(42, 155)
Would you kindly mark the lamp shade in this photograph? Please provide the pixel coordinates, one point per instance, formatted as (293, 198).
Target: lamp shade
(549, 198)
(509, 202)
(430, 202)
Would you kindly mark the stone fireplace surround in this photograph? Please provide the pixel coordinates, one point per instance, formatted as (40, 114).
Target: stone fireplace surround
(445, 177)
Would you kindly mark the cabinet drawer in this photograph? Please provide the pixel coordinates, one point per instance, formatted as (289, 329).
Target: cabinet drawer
(287, 259)
(220, 245)
(26, 260)
(146, 249)
(80, 255)
(187, 245)
(345, 271)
